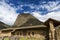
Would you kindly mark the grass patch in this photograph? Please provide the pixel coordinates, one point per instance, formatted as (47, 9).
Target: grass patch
(6, 38)
(24, 38)
(30, 38)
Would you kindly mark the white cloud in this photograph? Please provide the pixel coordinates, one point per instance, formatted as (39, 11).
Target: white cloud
(7, 13)
(51, 7)
(43, 18)
(26, 12)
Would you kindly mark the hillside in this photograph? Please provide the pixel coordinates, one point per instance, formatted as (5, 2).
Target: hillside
(3, 25)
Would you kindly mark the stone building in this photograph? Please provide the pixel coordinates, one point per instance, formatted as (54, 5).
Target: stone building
(27, 25)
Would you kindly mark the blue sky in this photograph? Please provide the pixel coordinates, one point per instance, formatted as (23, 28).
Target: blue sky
(41, 9)
(31, 6)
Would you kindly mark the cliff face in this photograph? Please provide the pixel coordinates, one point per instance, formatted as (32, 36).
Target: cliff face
(26, 20)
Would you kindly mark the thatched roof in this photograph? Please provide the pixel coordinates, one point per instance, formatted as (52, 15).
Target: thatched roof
(55, 22)
(26, 20)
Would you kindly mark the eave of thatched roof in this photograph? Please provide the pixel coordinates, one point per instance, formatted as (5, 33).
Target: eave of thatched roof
(29, 27)
(36, 26)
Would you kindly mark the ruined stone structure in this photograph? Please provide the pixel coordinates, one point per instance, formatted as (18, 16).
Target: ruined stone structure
(28, 26)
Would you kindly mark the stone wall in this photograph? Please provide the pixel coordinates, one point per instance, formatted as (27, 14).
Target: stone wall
(5, 34)
(57, 33)
(38, 33)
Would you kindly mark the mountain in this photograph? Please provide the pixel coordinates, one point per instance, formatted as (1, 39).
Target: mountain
(3, 25)
(26, 20)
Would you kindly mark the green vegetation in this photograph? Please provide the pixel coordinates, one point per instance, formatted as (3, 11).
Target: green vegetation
(23, 38)
(6, 38)
(30, 39)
